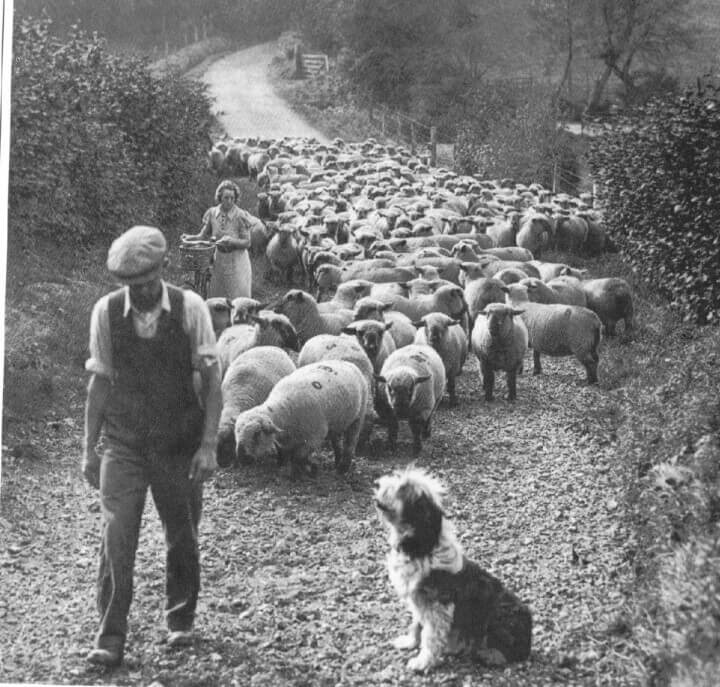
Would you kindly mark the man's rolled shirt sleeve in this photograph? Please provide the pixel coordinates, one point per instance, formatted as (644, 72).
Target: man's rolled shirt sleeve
(198, 325)
(100, 361)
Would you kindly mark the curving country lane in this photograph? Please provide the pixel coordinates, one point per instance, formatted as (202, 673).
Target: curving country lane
(246, 100)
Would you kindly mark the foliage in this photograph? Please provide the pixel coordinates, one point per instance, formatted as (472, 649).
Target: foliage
(659, 174)
(97, 140)
(509, 130)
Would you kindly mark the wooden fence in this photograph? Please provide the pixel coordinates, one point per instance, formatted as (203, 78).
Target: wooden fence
(406, 130)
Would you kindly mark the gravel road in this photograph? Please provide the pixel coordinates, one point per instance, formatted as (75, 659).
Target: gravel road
(245, 98)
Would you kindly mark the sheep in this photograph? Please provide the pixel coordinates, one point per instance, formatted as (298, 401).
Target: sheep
(282, 252)
(509, 253)
(550, 270)
(256, 163)
(447, 299)
(267, 329)
(499, 340)
(412, 382)
(535, 233)
(247, 383)
(331, 347)
(346, 295)
(559, 330)
(595, 239)
(479, 293)
(319, 400)
(538, 291)
(447, 337)
(571, 233)
(510, 275)
(302, 311)
(402, 330)
(568, 291)
(220, 309)
(375, 339)
(504, 233)
(241, 309)
(612, 300)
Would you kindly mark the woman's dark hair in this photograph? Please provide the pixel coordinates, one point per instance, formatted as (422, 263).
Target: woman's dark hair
(225, 185)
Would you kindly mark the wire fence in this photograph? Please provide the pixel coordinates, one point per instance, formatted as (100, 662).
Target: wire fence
(418, 136)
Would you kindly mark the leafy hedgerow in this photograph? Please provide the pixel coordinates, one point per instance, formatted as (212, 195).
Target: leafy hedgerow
(658, 172)
(97, 141)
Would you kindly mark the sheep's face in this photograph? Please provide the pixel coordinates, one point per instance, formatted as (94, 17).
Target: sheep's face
(436, 329)
(256, 436)
(452, 298)
(400, 389)
(220, 313)
(368, 311)
(370, 335)
(243, 309)
(500, 320)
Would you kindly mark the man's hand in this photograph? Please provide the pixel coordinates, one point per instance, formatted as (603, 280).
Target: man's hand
(204, 463)
(91, 467)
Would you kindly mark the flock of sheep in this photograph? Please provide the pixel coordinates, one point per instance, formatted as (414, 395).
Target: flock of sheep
(420, 266)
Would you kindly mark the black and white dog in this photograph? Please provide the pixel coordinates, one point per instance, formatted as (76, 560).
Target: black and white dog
(456, 605)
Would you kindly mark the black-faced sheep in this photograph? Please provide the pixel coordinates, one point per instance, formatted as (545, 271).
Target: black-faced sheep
(448, 338)
(612, 300)
(411, 383)
(499, 340)
(302, 311)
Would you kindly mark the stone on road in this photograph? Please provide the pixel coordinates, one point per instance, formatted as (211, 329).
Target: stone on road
(246, 100)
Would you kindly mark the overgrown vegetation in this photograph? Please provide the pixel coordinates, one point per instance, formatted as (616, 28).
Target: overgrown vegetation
(98, 141)
(659, 173)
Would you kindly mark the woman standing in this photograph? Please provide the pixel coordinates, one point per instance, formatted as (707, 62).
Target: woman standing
(231, 227)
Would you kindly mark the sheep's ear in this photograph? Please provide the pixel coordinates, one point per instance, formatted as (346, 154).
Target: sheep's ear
(388, 325)
(229, 304)
(452, 322)
(359, 288)
(505, 289)
(517, 312)
(349, 330)
(381, 379)
(483, 312)
(386, 306)
(424, 378)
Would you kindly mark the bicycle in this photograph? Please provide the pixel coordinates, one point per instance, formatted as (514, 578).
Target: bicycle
(197, 257)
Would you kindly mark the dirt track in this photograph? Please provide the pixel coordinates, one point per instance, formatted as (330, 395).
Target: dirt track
(245, 98)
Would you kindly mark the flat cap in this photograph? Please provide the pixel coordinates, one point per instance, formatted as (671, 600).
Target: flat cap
(137, 255)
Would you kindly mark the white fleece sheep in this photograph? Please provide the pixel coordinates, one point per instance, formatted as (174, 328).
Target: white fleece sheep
(612, 300)
(402, 330)
(559, 330)
(242, 307)
(568, 290)
(282, 253)
(412, 383)
(220, 314)
(499, 340)
(447, 337)
(247, 383)
(317, 401)
(267, 329)
(448, 299)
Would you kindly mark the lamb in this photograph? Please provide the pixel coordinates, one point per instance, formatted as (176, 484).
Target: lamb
(412, 382)
(241, 309)
(447, 337)
(267, 329)
(302, 311)
(499, 340)
(220, 309)
(402, 330)
(560, 330)
(375, 339)
(612, 300)
(282, 252)
(247, 383)
(325, 399)
(481, 292)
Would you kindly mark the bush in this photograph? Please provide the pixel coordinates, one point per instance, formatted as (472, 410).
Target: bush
(98, 142)
(510, 130)
(658, 173)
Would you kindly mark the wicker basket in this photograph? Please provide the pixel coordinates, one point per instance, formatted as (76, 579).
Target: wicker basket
(196, 257)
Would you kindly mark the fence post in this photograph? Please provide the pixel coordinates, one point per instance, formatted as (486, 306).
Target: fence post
(433, 146)
(399, 127)
(382, 122)
(554, 182)
(412, 138)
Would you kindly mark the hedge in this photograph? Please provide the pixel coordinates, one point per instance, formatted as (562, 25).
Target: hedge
(658, 175)
(97, 141)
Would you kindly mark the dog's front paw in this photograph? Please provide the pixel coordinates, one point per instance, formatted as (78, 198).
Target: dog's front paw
(409, 641)
(420, 663)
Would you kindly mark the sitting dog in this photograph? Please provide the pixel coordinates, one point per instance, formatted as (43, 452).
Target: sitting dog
(456, 605)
